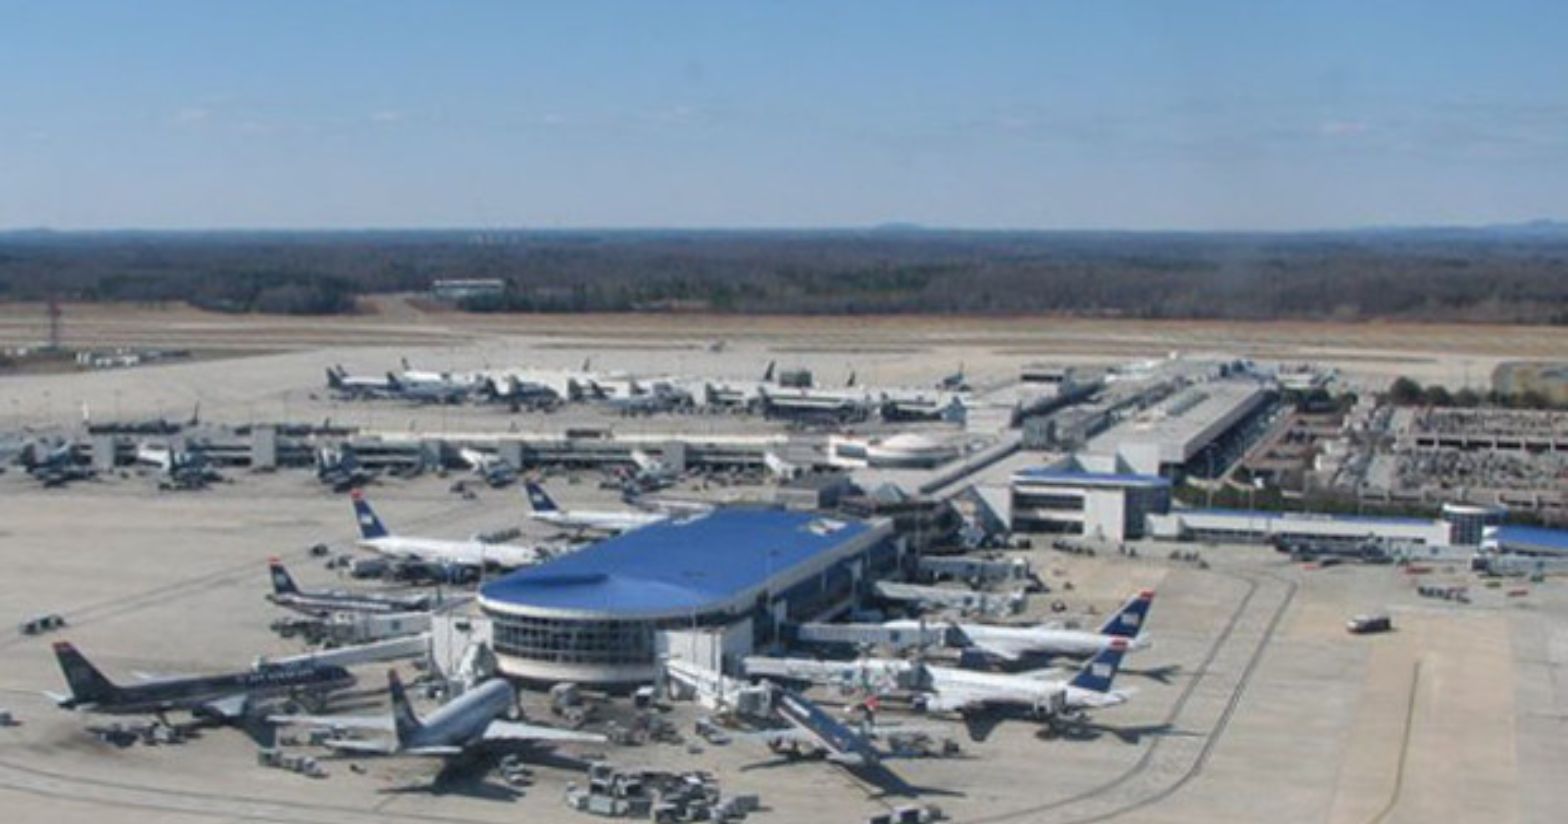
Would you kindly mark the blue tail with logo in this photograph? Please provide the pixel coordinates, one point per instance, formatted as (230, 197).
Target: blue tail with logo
(282, 581)
(538, 499)
(1098, 674)
(370, 527)
(1128, 621)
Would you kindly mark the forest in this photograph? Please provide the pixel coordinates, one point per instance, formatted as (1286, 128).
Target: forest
(1500, 274)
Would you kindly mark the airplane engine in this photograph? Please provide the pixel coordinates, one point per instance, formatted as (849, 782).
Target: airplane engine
(1053, 705)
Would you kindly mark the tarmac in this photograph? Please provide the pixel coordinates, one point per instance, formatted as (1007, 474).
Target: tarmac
(1254, 703)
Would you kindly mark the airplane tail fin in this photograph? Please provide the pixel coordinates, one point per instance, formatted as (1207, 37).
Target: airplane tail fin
(851, 381)
(87, 684)
(370, 526)
(539, 499)
(767, 374)
(282, 581)
(1098, 674)
(335, 377)
(1128, 621)
(404, 722)
(195, 414)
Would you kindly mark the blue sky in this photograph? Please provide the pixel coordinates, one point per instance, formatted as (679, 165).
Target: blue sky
(1151, 115)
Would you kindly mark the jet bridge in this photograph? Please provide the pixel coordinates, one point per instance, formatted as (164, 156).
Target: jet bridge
(860, 635)
(977, 571)
(965, 601)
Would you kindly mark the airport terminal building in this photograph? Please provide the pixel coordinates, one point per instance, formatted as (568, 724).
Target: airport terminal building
(602, 615)
(1107, 506)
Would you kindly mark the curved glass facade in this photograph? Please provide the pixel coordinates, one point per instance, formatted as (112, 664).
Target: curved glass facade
(629, 642)
(602, 642)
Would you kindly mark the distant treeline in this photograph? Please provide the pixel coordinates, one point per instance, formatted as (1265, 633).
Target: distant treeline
(1480, 275)
(1406, 392)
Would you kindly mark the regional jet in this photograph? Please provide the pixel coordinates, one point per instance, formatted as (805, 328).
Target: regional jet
(54, 467)
(468, 721)
(984, 698)
(494, 469)
(375, 537)
(652, 473)
(359, 387)
(609, 521)
(226, 697)
(321, 602)
(1013, 643)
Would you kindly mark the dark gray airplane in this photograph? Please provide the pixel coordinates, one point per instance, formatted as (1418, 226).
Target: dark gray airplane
(56, 466)
(324, 601)
(226, 697)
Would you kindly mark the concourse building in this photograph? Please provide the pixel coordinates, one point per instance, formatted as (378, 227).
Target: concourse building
(604, 614)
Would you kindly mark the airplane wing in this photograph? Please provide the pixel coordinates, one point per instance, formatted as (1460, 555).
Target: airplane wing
(361, 747)
(227, 708)
(1046, 674)
(379, 723)
(514, 731)
(980, 725)
(434, 751)
(1006, 653)
(154, 677)
(772, 736)
(951, 699)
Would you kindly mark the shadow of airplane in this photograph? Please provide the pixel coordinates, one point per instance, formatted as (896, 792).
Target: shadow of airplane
(1127, 734)
(1163, 674)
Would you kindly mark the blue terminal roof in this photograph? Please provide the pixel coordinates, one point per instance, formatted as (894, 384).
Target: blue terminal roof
(680, 565)
(1049, 475)
(1531, 536)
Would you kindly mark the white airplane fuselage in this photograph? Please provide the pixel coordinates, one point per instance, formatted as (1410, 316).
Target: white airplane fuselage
(957, 689)
(466, 553)
(464, 719)
(598, 521)
(1016, 642)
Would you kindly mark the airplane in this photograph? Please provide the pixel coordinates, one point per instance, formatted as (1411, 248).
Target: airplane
(55, 467)
(466, 380)
(340, 469)
(652, 473)
(1012, 643)
(634, 399)
(495, 470)
(375, 537)
(812, 730)
(413, 386)
(742, 394)
(545, 510)
(467, 722)
(956, 382)
(320, 602)
(983, 699)
(180, 468)
(980, 698)
(813, 727)
(225, 697)
(358, 387)
(519, 393)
